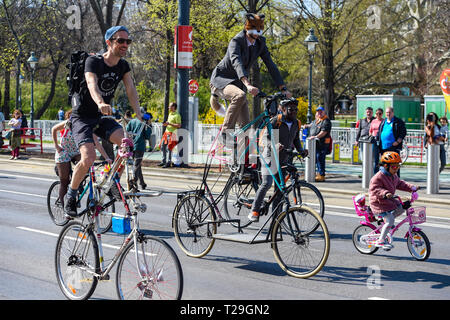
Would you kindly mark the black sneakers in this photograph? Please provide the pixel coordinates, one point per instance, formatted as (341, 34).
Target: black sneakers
(70, 206)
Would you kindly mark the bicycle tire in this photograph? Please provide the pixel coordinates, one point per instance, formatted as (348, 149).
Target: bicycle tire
(404, 153)
(422, 243)
(151, 272)
(360, 246)
(105, 218)
(76, 262)
(305, 193)
(237, 201)
(300, 254)
(54, 205)
(193, 222)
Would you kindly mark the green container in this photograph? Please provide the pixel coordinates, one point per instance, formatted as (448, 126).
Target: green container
(406, 108)
(434, 104)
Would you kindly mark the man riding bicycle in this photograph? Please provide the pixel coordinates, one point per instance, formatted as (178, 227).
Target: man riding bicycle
(229, 80)
(103, 73)
(289, 136)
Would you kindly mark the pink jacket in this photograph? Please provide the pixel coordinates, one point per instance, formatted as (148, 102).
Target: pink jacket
(381, 184)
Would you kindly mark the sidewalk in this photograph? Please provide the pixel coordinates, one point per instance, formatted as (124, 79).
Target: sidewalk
(341, 178)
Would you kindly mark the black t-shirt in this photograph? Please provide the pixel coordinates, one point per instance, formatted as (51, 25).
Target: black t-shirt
(108, 80)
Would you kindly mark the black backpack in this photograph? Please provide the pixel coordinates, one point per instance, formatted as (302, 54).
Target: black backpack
(75, 78)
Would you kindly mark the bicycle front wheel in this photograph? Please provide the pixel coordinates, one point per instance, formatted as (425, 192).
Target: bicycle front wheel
(55, 205)
(419, 245)
(149, 269)
(299, 252)
(305, 193)
(76, 261)
(194, 224)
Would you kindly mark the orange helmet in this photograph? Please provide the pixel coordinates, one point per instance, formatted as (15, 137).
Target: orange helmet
(390, 157)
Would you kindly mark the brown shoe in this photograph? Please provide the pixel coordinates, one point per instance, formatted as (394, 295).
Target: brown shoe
(320, 178)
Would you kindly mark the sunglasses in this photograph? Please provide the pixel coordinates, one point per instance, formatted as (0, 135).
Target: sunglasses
(122, 40)
(379, 113)
(395, 166)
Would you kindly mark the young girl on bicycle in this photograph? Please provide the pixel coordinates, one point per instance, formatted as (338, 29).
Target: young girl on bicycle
(381, 193)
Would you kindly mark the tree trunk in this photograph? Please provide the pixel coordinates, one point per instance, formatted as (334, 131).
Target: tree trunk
(6, 110)
(49, 99)
(328, 62)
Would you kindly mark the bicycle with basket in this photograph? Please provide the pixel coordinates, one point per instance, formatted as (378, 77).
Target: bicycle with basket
(367, 233)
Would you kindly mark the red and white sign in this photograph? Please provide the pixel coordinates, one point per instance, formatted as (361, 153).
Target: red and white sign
(183, 47)
(193, 86)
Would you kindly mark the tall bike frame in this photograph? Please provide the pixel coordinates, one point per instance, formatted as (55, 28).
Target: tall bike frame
(197, 216)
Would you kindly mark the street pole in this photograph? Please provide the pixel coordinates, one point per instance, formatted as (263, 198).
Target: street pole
(309, 115)
(32, 102)
(183, 74)
(183, 83)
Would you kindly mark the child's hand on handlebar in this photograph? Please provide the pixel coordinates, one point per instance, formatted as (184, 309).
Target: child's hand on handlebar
(388, 195)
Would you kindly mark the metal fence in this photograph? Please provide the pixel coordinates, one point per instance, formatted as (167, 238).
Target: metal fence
(207, 132)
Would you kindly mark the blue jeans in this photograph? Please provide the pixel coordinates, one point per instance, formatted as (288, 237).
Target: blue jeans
(320, 160)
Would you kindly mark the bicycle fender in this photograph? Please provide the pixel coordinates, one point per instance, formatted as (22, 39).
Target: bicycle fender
(414, 229)
(368, 224)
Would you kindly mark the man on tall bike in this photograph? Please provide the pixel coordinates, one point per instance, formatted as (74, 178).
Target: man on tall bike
(103, 73)
(229, 80)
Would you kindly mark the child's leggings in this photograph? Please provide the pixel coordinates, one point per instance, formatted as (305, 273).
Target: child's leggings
(389, 219)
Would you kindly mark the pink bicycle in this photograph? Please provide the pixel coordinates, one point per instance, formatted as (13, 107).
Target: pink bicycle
(367, 233)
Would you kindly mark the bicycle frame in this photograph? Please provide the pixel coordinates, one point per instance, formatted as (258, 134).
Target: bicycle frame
(369, 218)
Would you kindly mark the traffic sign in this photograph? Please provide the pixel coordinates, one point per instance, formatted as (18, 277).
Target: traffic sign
(193, 86)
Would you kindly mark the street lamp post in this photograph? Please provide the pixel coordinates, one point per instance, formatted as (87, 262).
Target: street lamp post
(32, 61)
(310, 41)
(21, 79)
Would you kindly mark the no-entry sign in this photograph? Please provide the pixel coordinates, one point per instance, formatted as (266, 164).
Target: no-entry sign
(193, 86)
(183, 47)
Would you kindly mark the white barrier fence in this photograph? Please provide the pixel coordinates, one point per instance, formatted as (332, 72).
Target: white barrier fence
(207, 132)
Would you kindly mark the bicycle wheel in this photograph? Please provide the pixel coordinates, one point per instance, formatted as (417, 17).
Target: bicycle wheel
(299, 253)
(105, 216)
(361, 240)
(149, 269)
(419, 245)
(238, 199)
(193, 224)
(55, 205)
(76, 261)
(304, 193)
(404, 153)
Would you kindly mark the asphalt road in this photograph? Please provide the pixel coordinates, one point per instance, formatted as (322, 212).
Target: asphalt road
(231, 271)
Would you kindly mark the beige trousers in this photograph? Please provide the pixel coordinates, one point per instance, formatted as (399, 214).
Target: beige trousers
(237, 111)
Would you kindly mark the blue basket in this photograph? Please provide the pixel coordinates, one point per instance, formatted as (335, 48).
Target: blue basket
(121, 224)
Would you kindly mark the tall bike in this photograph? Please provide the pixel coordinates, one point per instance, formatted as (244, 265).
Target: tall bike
(298, 235)
(147, 267)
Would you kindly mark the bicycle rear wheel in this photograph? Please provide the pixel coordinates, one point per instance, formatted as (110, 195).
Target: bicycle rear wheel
(362, 239)
(238, 199)
(299, 252)
(193, 224)
(149, 269)
(55, 205)
(76, 261)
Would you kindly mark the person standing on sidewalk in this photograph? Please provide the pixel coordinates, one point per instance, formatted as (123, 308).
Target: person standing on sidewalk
(2, 127)
(136, 126)
(169, 139)
(444, 134)
(363, 128)
(320, 129)
(373, 132)
(391, 133)
(14, 141)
